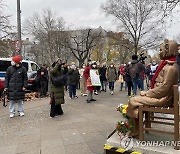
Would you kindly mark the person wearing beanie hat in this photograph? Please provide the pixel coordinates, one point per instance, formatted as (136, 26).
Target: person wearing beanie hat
(17, 59)
(15, 85)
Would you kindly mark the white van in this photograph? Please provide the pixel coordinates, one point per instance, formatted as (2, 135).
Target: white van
(31, 67)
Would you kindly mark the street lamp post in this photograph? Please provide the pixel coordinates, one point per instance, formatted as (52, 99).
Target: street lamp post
(19, 26)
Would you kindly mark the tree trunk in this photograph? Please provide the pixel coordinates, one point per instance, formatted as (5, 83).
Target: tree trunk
(80, 62)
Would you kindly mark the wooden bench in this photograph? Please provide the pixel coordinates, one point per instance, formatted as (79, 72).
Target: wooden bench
(150, 118)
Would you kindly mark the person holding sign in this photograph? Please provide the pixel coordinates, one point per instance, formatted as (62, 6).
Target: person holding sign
(89, 70)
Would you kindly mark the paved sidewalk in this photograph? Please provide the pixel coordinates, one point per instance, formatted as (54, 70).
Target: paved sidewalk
(82, 129)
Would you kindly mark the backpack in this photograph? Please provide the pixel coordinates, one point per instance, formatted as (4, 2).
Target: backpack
(134, 71)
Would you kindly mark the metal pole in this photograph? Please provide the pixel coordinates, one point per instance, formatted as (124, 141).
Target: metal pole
(19, 25)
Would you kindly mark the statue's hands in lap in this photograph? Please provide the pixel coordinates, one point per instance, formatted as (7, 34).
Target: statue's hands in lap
(143, 93)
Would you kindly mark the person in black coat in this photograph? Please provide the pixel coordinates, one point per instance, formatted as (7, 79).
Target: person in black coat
(73, 80)
(103, 79)
(15, 85)
(43, 80)
(128, 78)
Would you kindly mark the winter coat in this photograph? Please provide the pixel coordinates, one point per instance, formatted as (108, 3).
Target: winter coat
(73, 77)
(102, 73)
(111, 74)
(57, 92)
(87, 78)
(136, 68)
(161, 94)
(127, 74)
(15, 80)
(42, 74)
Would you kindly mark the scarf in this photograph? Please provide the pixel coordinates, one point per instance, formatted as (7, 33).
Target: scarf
(160, 67)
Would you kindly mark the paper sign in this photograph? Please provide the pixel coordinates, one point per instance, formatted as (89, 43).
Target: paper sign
(94, 75)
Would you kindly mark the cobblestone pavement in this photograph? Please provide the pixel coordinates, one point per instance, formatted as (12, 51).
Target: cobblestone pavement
(82, 129)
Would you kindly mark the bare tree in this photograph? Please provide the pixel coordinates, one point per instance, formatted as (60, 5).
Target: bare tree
(122, 45)
(81, 43)
(5, 27)
(168, 6)
(46, 28)
(141, 20)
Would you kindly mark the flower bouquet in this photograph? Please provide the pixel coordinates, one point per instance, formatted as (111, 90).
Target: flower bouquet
(126, 126)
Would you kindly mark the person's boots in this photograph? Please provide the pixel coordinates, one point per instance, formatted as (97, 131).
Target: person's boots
(135, 131)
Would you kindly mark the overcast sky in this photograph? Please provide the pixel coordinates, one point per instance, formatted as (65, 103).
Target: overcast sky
(76, 13)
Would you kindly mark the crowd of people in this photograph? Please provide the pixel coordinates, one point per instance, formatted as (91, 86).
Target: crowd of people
(63, 77)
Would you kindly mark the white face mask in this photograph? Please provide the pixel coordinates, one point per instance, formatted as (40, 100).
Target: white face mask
(13, 63)
(73, 66)
(111, 65)
(94, 66)
(84, 66)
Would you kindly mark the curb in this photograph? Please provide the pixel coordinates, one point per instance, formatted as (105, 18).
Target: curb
(114, 150)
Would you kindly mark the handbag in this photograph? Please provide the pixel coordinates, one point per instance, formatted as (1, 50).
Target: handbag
(58, 81)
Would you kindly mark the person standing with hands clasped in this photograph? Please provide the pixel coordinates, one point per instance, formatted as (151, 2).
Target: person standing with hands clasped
(73, 80)
(15, 85)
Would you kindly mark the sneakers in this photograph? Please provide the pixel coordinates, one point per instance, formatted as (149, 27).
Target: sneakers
(70, 97)
(95, 93)
(84, 94)
(92, 100)
(112, 93)
(21, 114)
(11, 115)
(75, 97)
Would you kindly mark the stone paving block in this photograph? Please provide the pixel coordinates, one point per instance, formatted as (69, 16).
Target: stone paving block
(97, 146)
(8, 140)
(90, 116)
(57, 150)
(69, 132)
(79, 119)
(50, 135)
(66, 126)
(8, 149)
(29, 138)
(75, 139)
(93, 136)
(29, 131)
(78, 149)
(27, 147)
(51, 143)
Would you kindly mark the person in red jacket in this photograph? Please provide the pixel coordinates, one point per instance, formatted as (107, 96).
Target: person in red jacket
(90, 88)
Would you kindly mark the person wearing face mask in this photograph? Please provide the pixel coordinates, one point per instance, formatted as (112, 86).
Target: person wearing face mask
(90, 88)
(82, 80)
(111, 77)
(73, 80)
(161, 91)
(153, 68)
(103, 79)
(15, 85)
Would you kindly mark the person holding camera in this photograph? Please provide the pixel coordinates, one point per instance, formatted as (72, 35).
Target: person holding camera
(136, 72)
(57, 88)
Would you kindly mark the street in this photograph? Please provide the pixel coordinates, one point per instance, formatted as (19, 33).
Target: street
(82, 129)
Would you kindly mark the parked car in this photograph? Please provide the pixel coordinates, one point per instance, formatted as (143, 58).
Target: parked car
(31, 67)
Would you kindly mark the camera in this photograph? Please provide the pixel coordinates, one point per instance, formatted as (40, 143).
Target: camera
(142, 58)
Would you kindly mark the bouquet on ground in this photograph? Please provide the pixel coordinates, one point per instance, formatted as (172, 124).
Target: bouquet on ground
(126, 126)
(123, 108)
